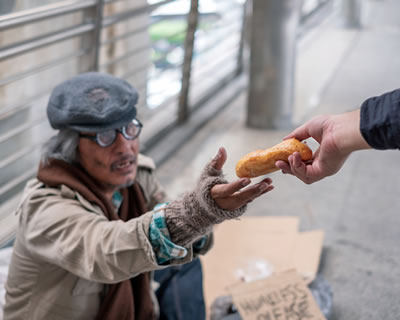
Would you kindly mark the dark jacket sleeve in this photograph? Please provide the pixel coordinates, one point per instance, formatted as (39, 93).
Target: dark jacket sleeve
(380, 121)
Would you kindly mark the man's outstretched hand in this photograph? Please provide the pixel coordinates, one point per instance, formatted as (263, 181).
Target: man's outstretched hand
(233, 195)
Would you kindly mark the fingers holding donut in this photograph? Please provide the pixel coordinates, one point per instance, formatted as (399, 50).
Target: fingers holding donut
(262, 162)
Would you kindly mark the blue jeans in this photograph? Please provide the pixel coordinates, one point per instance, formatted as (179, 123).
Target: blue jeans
(180, 294)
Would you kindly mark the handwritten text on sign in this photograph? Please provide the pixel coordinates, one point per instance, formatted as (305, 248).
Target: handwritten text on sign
(280, 297)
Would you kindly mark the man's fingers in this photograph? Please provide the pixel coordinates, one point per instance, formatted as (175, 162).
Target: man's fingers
(305, 172)
(300, 133)
(223, 196)
(267, 180)
(258, 194)
(252, 192)
(226, 190)
(297, 166)
(296, 161)
(270, 188)
(219, 160)
(284, 166)
(311, 129)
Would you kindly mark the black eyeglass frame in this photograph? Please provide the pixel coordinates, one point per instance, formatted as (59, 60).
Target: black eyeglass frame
(121, 130)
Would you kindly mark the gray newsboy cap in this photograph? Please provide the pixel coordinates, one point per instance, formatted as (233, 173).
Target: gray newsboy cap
(92, 102)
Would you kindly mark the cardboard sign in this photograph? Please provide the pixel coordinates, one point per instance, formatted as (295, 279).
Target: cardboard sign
(249, 239)
(283, 296)
(251, 242)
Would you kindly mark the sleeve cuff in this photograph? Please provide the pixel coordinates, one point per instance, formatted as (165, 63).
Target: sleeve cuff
(160, 238)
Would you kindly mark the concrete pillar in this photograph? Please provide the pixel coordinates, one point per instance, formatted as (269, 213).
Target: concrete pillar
(352, 13)
(272, 63)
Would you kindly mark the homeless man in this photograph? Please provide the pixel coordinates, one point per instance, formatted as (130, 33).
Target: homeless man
(93, 224)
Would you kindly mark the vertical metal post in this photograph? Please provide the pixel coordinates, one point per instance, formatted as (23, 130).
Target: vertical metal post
(272, 62)
(97, 34)
(193, 18)
(239, 68)
(92, 40)
(352, 13)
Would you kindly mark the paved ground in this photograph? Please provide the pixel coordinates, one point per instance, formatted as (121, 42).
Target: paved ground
(359, 208)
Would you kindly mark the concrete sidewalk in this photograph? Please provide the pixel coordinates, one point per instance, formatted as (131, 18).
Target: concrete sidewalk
(359, 208)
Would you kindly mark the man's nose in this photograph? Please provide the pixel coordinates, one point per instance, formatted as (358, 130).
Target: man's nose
(120, 141)
(122, 145)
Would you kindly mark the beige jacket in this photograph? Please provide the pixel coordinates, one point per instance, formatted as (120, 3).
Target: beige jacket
(66, 248)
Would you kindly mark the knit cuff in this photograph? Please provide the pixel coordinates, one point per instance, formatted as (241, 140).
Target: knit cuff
(206, 201)
(194, 215)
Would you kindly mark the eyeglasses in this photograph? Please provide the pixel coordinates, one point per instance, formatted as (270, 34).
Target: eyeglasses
(106, 138)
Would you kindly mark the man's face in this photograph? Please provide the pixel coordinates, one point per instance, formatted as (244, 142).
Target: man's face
(115, 166)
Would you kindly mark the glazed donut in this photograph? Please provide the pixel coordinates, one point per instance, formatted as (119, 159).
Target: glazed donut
(261, 162)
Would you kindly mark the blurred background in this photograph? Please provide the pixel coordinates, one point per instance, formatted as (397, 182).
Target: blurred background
(233, 73)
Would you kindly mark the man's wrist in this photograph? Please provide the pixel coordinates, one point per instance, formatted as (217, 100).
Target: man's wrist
(347, 132)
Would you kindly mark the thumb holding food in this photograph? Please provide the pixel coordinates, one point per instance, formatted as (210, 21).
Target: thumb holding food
(328, 158)
(314, 128)
(318, 128)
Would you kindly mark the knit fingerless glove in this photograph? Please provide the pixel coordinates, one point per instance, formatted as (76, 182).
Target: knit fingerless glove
(196, 212)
